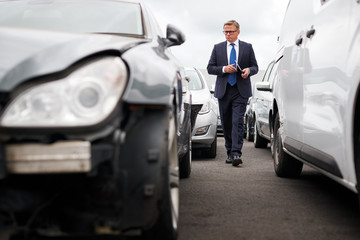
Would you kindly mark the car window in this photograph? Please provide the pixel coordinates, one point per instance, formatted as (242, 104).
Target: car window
(195, 80)
(97, 16)
(273, 73)
(268, 71)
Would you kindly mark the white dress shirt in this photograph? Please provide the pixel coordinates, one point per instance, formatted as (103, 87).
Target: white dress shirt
(229, 47)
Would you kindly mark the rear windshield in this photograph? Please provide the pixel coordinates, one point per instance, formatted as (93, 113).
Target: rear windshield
(81, 16)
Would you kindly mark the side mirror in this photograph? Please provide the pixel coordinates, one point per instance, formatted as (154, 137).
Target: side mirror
(263, 86)
(174, 36)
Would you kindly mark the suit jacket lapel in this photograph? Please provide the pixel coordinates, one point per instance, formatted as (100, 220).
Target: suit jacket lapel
(225, 55)
(240, 52)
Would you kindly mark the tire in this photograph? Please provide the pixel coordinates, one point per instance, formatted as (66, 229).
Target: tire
(259, 142)
(166, 226)
(284, 164)
(211, 153)
(185, 162)
(249, 135)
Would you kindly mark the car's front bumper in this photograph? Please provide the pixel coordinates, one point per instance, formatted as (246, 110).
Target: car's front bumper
(109, 184)
(205, 121)
(58, 157)
(57, 151)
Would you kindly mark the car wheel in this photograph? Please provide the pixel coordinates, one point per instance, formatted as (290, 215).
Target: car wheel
(259, 142)
(284, 164)
(249, 135)
(211, 153)
(185, 162)
(166, 226)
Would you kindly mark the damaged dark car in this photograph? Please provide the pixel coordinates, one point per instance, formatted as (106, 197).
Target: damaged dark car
(95, 121)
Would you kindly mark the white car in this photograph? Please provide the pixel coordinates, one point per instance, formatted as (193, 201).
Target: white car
(204, 134)
(316, 106)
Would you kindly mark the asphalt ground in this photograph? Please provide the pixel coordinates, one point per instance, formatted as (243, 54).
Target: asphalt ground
(220, 201)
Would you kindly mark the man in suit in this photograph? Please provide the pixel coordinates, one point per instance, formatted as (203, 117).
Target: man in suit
(233, 61)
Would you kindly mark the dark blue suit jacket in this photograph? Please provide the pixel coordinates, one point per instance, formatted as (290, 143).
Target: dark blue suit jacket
(219, 59)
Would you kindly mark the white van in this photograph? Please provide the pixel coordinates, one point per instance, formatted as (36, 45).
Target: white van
(316, 105)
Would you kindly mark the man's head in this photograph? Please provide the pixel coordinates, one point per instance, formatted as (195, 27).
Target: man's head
(231, 30)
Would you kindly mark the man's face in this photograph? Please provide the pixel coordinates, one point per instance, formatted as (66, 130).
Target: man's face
(234, 33)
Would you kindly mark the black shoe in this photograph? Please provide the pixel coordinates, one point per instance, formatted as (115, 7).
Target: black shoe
(229, 160)
(236, 161)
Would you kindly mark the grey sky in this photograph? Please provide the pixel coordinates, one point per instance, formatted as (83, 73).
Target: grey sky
(202, 22)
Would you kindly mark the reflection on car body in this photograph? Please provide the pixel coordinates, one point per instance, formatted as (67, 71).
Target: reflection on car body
(204, 135)
(316, 110)
(94, 120)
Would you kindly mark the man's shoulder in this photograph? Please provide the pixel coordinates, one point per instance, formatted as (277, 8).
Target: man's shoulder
(242, 43)
(220, 44)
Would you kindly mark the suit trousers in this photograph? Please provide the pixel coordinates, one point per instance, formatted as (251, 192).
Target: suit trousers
(232, 108)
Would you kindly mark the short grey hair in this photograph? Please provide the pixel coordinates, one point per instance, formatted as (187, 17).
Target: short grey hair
(232, 22)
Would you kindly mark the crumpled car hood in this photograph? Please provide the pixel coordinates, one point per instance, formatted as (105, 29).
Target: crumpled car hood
(26, 54)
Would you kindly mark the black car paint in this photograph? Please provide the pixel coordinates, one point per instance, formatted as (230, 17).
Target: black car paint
(44, 53)
(47, 56)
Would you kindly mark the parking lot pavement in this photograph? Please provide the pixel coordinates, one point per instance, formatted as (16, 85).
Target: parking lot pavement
(220, 201)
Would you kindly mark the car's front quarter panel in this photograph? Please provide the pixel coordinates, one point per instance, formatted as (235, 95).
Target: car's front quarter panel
(152, 75)
(46, 53)
(208, 119)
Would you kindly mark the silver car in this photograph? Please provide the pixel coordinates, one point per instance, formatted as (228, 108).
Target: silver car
(262, 131)
(204, 135)
(210, 80)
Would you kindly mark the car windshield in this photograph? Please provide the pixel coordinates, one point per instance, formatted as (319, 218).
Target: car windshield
(80, 16)
(195, 82)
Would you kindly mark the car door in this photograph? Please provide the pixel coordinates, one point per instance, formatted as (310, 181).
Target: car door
(326, 46)
(289, 90)
(263, 104)
(268, 101)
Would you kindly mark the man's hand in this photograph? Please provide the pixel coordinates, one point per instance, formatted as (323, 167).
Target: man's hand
(230, 68)
(245, 73)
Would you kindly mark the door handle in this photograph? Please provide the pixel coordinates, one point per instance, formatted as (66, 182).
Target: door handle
(310, 33)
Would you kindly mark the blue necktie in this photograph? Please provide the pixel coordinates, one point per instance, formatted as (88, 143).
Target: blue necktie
(232, 76)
